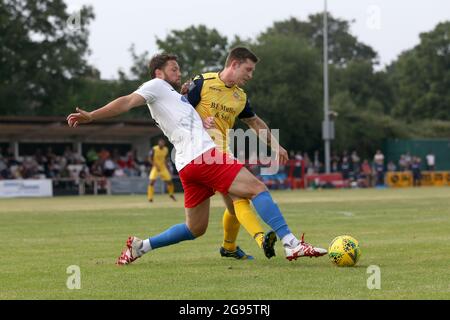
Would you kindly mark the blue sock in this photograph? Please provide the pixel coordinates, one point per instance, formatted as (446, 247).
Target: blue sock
(175, 234)
(270, 213)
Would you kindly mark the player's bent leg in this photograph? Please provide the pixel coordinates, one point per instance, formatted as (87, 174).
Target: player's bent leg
(246, 185)
(195, 226)
(197, 218)
(269, 212)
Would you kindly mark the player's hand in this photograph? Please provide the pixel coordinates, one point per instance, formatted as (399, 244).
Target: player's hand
(282, 155)
(185, 87)
(74, 119)
(208, 123)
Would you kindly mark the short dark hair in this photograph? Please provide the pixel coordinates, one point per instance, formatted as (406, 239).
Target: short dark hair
(241, 54)
(158, 61)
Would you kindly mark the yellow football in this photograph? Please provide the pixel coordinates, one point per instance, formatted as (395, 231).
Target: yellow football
(344, 251)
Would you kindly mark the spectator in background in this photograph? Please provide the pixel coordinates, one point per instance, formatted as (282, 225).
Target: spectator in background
(403, 166)
(104, 154)
(29, 168)
(415, 168)
(345, 168)
(108, 167)
(334, 165)
(97, 168)
(10, 158)
(391, 167)
(355, 164)
(54, 168)
(378, 158)
(378, 164)
(366, 173)
(4, 170)
(91, 156)
(291, 154)
(408, 161)
(309, 166)
(74, 169)
(334, 162)
(317, 164)
(431, 161)
(131, 165)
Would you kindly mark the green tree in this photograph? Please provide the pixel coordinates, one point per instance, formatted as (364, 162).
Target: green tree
(286, 90)
(41, 55)
(199, 49)
(368, 90)
(421, 77)
(363, 128)
(343, 47)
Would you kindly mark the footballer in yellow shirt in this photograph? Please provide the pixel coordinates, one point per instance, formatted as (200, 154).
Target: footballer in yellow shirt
(219, 100)
(158, 159)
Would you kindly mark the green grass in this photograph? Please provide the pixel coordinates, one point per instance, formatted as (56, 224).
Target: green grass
(406, 232)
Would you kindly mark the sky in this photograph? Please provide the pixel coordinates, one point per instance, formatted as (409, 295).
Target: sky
(388, 26)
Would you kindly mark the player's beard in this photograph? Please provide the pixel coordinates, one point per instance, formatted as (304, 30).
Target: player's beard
(175, 85)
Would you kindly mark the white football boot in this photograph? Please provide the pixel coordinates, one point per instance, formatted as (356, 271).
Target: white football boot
(303, 250)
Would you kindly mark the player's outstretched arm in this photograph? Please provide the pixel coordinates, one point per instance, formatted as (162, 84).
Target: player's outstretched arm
(256, 123)
(112, 109)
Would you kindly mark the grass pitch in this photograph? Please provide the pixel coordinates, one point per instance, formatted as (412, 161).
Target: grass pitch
(405, 232)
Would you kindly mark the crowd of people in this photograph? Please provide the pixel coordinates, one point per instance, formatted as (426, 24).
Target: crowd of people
(105, 163)
(355, 171)
(70, 165)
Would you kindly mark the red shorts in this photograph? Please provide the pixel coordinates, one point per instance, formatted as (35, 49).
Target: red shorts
(210, 172)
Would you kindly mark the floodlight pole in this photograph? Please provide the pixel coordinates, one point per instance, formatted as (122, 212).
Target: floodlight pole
(326, 132)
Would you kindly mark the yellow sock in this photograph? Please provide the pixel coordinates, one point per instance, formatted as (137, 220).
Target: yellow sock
(247, 217)
(150, 191)
(170, 188)
(230, 230)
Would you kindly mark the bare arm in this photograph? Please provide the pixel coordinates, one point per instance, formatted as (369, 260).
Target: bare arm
(256, 123)
(112, 109)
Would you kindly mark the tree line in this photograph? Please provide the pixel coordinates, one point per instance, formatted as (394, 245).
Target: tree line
(44, 71)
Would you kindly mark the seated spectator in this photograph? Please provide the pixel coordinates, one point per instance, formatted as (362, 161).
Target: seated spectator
(97, 169)
(108, 167)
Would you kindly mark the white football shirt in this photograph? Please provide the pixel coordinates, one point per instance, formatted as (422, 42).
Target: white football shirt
(178, 120)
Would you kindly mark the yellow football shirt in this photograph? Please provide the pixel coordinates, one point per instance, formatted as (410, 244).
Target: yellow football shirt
(159, 156)
(212, 98)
